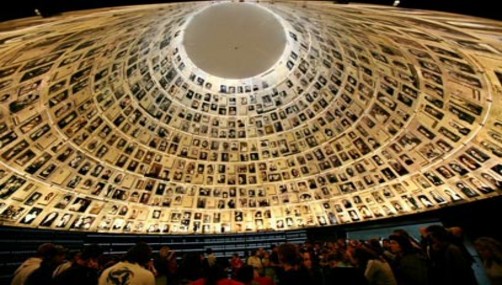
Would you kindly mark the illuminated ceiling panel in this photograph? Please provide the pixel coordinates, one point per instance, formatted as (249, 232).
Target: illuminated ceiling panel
(365, 112)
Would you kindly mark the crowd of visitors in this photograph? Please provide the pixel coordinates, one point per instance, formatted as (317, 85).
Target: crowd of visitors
(437, 257)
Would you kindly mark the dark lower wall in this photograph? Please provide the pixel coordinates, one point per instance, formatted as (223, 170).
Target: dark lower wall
(17, 244)
(478, 219)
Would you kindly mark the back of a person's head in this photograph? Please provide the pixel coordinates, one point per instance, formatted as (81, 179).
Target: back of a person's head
(363, 254)
(245, 274)
(45, 249)
(209, 250)
(91, 251)
(374, 244)
(439, 233)
(191, 266)
(404, 243)
(288, 254)
(48, 251)
(214, 274)
(140, 253)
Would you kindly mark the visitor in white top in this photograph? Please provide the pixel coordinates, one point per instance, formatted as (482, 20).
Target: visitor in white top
(376, 270)
(132, 270)
(31, 264)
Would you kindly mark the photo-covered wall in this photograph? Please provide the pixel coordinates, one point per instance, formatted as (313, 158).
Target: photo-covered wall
(371, 112)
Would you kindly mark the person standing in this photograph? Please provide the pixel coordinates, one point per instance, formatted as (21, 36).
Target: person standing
(410, 266)
(84, 271)
(376, 270)
(31, 264)
(50, 261)
(236, 263)
(293, 271)
(255, 261)
(166, 265)
(132, 270)
(449, 264)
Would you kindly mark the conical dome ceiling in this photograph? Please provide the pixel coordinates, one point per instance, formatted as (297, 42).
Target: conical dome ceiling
(123, 120)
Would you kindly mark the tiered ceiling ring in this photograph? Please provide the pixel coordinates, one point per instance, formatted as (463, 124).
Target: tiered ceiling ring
(119, 121)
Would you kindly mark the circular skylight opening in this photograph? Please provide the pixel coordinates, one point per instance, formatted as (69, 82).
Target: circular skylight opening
(234, 40)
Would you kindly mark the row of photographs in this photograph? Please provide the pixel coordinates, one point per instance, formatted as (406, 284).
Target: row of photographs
(399, 161)
(88, 214)
(159, 193)
(106, 131)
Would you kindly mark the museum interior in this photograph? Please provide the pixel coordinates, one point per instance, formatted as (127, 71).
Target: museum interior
(238, 125)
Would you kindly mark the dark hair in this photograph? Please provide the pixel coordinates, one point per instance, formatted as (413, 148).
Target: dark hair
(364, 254)
(288, 254)
(245, 274)
(91, 251)
(140, 253)
(213, 275)
(45, 249)
(374, 244)
(191, 266)
(403, 242)
(401, 232)
(439, 233)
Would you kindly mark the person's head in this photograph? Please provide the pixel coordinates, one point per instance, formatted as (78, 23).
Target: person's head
(213, 275)
(307, 260)
(89, 256)
(438, 236)
(288, 254)
(400, 244)
(363, 254)
(165, 251)
(140, 253)
(489, 249)
(246, 274)
(45, 249)
(374, 244)
(51, 253)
